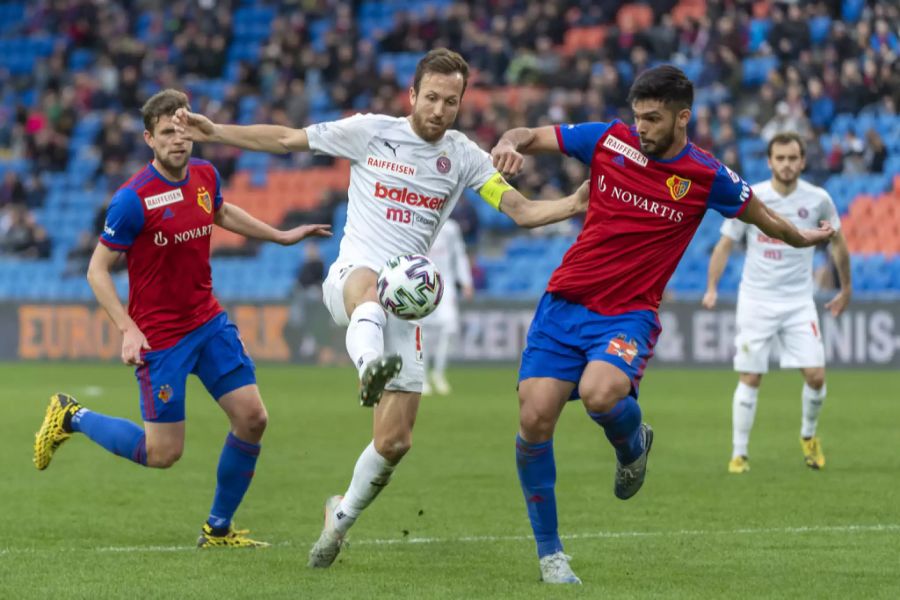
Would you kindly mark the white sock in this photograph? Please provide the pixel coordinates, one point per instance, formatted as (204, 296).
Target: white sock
(743, 411)
(371, 474)
(365, 334)
(812, 405)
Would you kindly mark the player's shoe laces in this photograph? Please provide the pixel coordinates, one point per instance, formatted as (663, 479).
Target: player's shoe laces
(440, 385)
(739, 464)
(812, 453)
(56, 428)
(234, 538)
(555, 569)
(327, 547)
(630, 477)
(377, 375)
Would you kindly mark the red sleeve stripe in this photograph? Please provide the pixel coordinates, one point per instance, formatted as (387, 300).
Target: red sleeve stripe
(743, 207)
(559, 139)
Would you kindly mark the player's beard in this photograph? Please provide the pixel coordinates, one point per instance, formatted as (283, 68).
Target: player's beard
(786, 182)
(174, 165)
(661, 145)
(426, 130)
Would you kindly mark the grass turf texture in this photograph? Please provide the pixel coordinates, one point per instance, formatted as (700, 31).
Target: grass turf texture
(97, 526)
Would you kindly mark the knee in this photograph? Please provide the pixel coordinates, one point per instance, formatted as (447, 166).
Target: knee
(536, 425)
(816, 379)
(256, 421)
(754, 380)
(393, 448)
(602, 396)
(163, 457)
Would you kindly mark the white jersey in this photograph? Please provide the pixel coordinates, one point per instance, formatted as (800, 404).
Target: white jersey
(402, 188)
(773, 270)
(449, 256)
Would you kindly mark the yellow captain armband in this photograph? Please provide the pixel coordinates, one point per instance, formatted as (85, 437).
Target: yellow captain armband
(493, 189)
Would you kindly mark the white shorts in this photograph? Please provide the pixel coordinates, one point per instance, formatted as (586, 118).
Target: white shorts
(400, 337)
(791, 328)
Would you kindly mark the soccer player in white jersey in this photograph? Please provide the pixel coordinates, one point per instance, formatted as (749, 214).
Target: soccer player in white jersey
(449, 256)
(775, 301)
(406, 175)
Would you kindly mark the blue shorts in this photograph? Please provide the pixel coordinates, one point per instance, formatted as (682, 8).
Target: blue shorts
(214, 352)
(564, 337)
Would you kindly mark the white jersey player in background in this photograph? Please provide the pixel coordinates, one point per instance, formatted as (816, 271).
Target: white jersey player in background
(449, 256)
(775, 300)
(406, 176)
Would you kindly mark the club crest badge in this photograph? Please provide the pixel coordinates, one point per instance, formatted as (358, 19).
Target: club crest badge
(678, 187)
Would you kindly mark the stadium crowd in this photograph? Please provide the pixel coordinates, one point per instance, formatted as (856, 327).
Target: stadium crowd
(760, 68)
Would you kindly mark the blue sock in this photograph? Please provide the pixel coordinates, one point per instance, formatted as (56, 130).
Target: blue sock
(537, 475)
(119, 436)
(622, 426)
(236, 466)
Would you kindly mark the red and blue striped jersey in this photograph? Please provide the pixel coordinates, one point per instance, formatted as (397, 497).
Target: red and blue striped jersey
(641, 216)
(164, 227)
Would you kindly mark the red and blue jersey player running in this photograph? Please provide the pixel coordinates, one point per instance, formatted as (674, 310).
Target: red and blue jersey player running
(162, 219)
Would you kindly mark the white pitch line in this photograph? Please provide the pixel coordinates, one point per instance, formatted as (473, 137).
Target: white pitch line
(888, 527)
(635, 534)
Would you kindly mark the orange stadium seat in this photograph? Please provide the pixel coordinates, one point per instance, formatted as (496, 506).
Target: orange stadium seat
(634, 17)
(580, 38)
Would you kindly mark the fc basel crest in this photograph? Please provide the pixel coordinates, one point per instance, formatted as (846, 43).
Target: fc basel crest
(165, 392)
(678, 187)
(204, 200)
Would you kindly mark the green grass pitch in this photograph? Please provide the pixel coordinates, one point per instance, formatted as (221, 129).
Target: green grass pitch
(452, 524)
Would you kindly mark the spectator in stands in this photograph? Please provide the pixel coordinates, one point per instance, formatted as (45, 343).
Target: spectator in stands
(854, 151)
(785, 120)
(12, 190)
(312, 273)
(875, 153)
(21, 235)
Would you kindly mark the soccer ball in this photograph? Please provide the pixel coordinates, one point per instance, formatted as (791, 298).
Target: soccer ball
(410, 286)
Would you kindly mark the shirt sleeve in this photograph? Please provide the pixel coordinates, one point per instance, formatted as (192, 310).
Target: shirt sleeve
(734, 229)
(345, 138)
(729, 193)
(830, 213)
(579, 140)
(217, 201)
(480, 166)
(124, 220)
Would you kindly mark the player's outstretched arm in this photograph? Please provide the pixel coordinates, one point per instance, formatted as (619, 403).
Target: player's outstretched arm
(236, 219)
(275, 139)
(717, 263)
(773, 225)
(534, 213)
(841, 255)
(133, 339)
(507, 154)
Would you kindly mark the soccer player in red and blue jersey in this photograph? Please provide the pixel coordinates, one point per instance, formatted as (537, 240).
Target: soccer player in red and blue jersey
(162, 219)
(595, 327)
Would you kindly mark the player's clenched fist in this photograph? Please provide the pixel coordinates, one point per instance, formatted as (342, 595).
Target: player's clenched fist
(133, 342)
(193, 126)
(709, 299)
(506, 158)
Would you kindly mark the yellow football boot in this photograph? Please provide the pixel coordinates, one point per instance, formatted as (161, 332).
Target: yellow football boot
(739, 464)
(55, 429)
(235, 538)
(812, 453)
